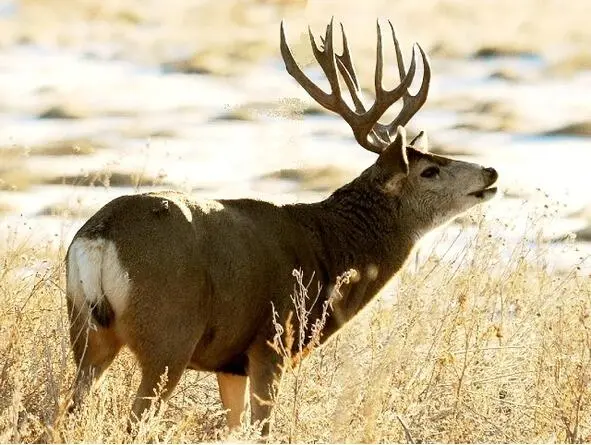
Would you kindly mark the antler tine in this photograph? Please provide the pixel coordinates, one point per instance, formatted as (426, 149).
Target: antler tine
(345, 58)
(326, 60)
(410, 104)
(294, 70)
(350, 82)
(399, 59)
(347, 70)
(379, 61)
(385, 98)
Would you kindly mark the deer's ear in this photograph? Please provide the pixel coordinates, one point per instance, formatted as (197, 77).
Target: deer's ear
(420, 142)
(394, 158)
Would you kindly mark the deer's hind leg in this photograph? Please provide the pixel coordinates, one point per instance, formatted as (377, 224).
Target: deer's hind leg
(163, 349)
(159, 378)
(94, 349)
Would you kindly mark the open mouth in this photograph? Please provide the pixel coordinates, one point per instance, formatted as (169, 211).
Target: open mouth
(484, 193)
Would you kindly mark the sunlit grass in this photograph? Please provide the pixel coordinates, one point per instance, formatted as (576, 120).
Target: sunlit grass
(477, 349)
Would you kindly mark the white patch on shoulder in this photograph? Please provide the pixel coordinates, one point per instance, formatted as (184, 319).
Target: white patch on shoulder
(94, 272)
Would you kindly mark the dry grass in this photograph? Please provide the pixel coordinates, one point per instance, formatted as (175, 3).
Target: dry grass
(472, 350)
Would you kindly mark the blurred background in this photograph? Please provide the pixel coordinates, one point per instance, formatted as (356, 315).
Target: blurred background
(100, 98)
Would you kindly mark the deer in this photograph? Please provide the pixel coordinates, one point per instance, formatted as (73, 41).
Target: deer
(190, 283)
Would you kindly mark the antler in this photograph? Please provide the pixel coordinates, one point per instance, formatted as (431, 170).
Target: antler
(368, 132)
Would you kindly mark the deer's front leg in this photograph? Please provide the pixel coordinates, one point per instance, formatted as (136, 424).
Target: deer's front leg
(264, 372)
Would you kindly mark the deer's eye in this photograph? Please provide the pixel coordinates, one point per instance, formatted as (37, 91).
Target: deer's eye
(430, 172)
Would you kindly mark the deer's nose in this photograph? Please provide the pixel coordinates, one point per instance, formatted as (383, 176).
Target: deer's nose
(492, 173)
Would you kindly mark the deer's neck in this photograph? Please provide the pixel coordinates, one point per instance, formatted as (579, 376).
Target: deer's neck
(356, 229)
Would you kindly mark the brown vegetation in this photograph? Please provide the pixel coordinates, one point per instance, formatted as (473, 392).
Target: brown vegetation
(457, 355)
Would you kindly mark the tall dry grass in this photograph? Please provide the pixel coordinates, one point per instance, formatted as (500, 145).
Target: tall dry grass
(489, 346)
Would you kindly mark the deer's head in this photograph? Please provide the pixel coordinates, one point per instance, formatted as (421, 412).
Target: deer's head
(427, 188)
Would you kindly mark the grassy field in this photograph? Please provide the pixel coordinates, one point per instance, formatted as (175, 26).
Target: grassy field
(469, 350)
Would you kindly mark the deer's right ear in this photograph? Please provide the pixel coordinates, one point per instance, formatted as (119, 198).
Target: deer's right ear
(394, 158)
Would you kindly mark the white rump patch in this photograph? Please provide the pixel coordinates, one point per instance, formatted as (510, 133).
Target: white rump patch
(115, 279)
(94, 271)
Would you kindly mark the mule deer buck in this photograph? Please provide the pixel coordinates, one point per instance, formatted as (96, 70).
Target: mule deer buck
(190, 284)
